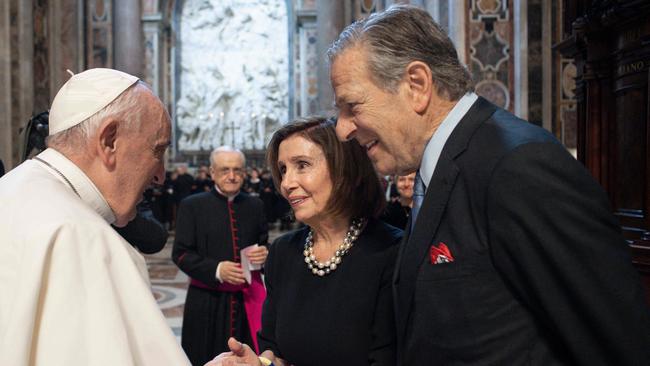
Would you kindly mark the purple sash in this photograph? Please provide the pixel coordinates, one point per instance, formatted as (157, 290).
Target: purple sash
(254, 295)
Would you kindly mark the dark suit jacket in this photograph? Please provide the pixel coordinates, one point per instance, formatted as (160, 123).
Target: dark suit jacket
(541, 274)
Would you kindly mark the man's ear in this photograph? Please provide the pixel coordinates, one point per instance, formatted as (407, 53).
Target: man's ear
(418, 78)
(106, 139)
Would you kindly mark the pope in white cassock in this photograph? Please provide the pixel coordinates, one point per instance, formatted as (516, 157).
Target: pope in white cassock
(72, 291)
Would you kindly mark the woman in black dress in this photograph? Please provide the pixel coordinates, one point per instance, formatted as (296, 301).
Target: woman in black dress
(328, 284)
(398, 211)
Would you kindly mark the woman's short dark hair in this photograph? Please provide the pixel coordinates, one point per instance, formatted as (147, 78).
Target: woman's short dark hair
(356, 190)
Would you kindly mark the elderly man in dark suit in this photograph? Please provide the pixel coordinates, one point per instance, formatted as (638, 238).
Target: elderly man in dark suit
(514, 257)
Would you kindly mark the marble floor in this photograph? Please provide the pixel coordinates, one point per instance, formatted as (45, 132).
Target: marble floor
(169, 284)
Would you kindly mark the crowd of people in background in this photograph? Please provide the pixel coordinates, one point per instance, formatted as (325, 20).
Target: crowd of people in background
(163, 200)
(179, 184)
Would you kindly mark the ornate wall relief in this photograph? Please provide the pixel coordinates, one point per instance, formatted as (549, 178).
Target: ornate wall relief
(566, 106)
(99, 46)
(233, 73)
(491, 50)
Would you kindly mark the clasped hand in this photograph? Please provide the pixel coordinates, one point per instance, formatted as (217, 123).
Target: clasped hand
(240, 355)
(258, 255)
(232, 273)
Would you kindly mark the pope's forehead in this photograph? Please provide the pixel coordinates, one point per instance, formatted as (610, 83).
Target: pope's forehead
(156, 110)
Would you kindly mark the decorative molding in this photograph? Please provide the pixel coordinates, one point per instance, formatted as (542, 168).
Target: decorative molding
(490, 46)
(99, 45)
(363, 8)
(307, 69)
(152, 55)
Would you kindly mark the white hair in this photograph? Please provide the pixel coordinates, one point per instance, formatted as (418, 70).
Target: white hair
(223, 149)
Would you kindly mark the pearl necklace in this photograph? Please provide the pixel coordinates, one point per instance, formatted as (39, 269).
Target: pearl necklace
(320, 268)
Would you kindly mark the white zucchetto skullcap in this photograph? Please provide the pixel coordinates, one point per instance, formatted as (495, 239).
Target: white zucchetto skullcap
(85, 94)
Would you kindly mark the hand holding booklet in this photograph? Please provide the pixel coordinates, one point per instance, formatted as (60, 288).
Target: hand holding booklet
(246, 264)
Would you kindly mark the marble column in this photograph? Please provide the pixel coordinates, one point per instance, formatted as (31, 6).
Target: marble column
(128, 37)
(17, 89)
(521, 55)
(152, 27)
(65, 24)
(330, 22)
(457, 24)
(5, 88)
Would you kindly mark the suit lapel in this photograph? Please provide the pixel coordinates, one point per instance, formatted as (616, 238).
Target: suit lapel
(415, 245)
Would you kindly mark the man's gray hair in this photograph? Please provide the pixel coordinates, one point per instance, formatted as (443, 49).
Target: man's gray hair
(226, 148)
(398, 36)
(126, 108)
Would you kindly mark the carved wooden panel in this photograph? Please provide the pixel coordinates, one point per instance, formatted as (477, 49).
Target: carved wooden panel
(611, 45)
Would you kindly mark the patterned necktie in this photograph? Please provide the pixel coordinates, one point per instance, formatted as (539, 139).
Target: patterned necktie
(418, 197)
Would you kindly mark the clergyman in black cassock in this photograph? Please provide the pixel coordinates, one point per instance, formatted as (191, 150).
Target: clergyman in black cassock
(211, 228)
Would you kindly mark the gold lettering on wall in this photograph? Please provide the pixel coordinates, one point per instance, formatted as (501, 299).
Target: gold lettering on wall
(631, 35)
(631, 67)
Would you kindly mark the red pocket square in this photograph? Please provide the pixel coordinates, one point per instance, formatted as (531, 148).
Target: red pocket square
(440, 254)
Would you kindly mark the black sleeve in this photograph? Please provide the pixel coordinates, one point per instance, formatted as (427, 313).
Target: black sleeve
(394, 215)
(145, 233)
(557, 245)
(382, 348)
(185, 253)
(266, 335)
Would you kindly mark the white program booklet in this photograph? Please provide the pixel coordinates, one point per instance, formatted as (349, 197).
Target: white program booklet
(246, 264)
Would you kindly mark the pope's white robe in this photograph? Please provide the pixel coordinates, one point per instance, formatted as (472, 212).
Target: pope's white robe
(72, 291)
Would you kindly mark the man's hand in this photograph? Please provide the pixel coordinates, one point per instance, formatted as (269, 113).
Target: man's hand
(240, 354)
(258, 255)
(231, 273)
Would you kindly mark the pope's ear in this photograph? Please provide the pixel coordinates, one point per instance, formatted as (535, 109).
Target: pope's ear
(418, 78)
(106, 139)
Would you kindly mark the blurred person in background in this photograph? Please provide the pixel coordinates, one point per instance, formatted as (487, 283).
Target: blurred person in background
(268, 195)
(183, 183)
(202, 182)
(398, 211)
(253, 183)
